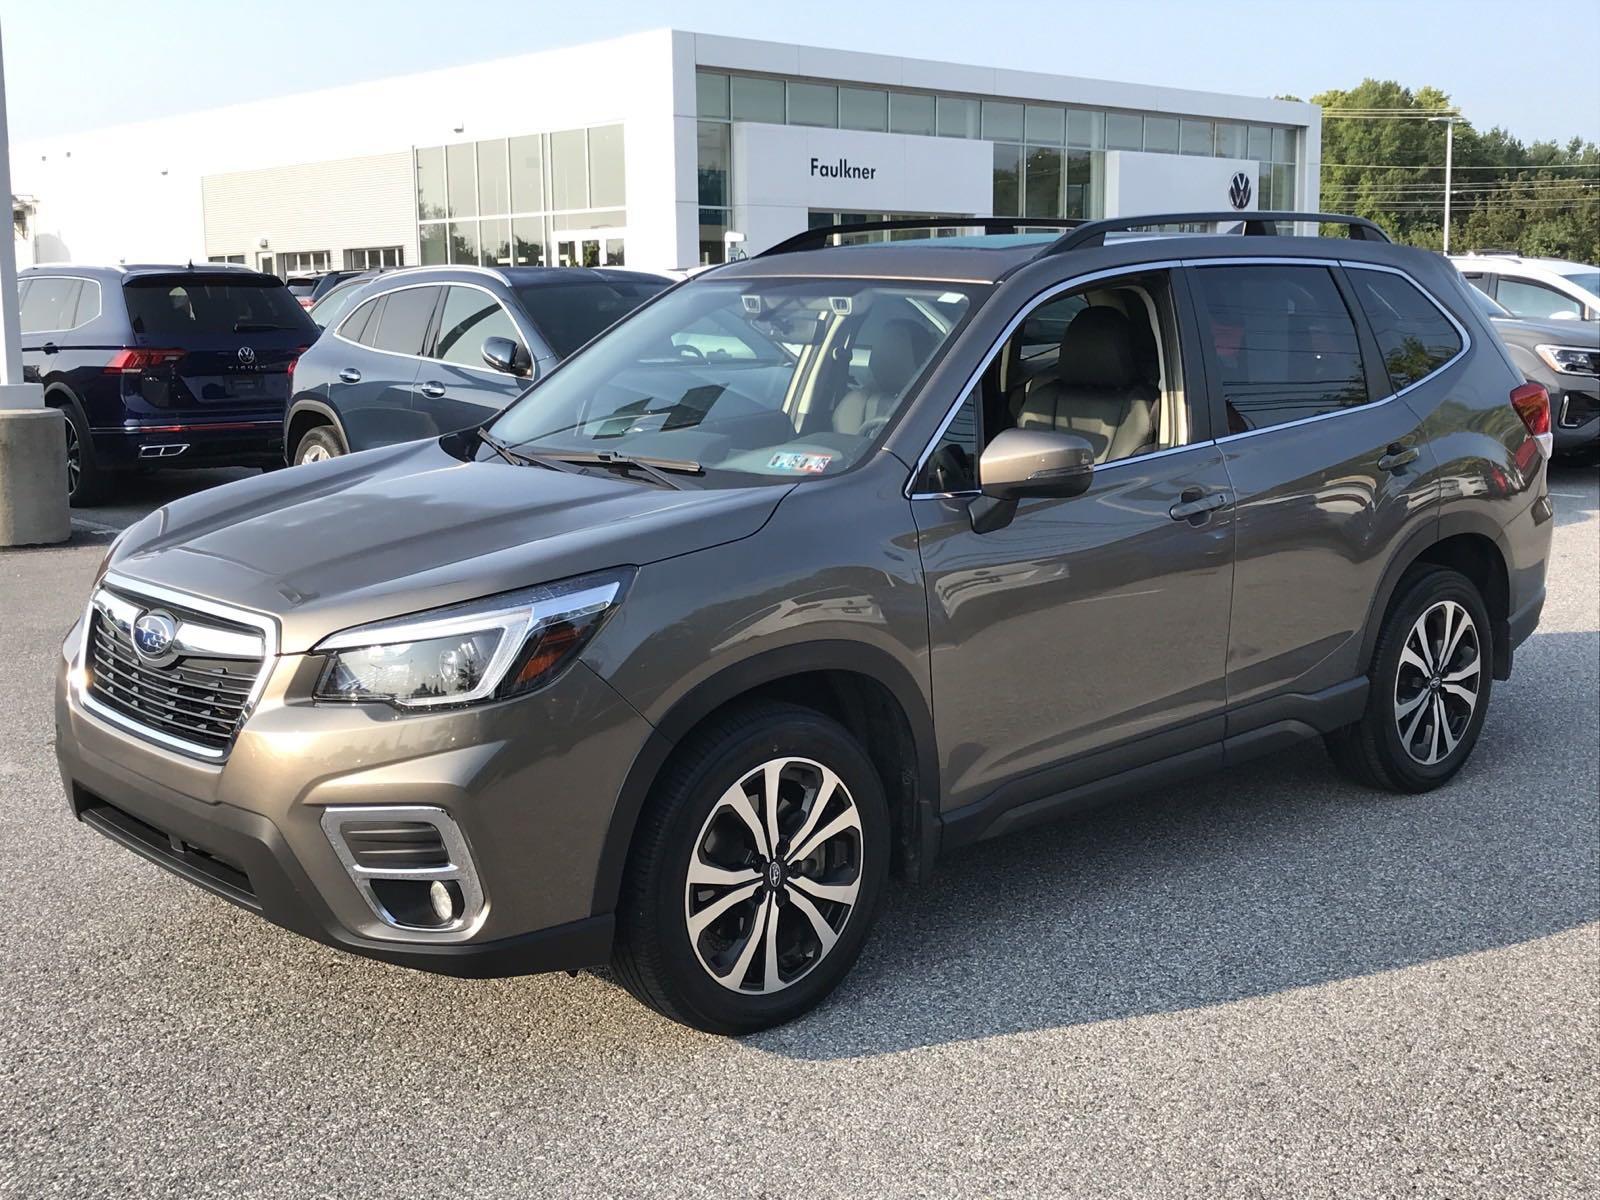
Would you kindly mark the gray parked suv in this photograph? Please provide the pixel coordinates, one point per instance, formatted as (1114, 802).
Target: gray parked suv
(816, 568)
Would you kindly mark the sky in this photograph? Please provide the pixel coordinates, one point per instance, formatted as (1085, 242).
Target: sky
(1528, 66)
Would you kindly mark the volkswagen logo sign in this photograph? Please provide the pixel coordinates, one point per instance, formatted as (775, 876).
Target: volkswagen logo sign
(1239, 190)
(247, 355)
(153, 635)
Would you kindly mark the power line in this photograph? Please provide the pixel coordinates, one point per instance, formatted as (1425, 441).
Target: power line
(1584, 166)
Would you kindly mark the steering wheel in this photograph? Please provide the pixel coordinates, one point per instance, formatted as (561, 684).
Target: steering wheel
(685, 350)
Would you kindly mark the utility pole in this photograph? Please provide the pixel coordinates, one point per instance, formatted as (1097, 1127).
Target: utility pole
(1449, 165)
(33, 446)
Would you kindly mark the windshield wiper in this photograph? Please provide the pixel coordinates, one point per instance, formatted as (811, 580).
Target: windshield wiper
(518, 458)
(657, 470)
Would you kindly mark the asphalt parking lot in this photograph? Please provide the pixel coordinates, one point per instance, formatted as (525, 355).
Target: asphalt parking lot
(1266, 983)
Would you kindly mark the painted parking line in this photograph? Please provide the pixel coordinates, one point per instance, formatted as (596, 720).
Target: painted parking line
(86, 526)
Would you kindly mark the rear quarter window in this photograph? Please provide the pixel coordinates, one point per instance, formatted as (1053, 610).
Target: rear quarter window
(175, 306)
(1413, 334)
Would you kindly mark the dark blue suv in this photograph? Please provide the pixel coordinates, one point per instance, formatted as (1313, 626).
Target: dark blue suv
(430, 350)
(161, 366)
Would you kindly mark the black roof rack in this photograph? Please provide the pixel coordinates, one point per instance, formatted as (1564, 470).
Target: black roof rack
(1256, 224)
(816, 239)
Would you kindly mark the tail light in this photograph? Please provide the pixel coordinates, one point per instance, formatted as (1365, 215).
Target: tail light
(293, 363)
(1532, 403)
(136, 362)
(306, 301)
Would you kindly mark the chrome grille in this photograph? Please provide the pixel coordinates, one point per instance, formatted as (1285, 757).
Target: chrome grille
(197, 697)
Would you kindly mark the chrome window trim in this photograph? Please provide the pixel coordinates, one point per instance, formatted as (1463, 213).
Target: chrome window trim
(99, 302)
(995, 347)
(148, 591)
(533, 371)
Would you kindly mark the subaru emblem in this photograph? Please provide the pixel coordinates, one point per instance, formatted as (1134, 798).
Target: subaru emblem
(247, 356)
(1239, 190)
(154, 634)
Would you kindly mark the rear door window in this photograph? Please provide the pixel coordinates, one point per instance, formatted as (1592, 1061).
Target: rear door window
(403, 324)
(1282, 341)
(50, 303)
(470, 318)
(176, 306)
(1414, 335)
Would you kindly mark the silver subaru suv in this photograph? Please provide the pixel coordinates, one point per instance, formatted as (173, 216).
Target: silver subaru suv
(818, 567)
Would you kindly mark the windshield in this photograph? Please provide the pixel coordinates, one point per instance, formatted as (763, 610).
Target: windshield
(755, 380)
(179, 305)
(1588, 278)
(569, 314)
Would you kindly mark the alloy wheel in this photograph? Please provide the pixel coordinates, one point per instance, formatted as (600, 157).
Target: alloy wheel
(1436, 687)
(74, 459)
(773, 876)
(315, 453)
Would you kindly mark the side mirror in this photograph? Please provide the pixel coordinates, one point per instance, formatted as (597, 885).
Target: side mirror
(504, 354)
(1020, 463)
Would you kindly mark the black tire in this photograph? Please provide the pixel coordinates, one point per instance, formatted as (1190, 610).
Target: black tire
(1374, 750)
(87, 481)
(320, 443)
(686, 816)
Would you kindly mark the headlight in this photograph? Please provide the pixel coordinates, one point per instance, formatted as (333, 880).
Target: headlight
(484, 650)
(1570, 360)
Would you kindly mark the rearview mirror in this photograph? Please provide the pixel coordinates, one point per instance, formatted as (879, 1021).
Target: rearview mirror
(504, 354)
(1020, 463)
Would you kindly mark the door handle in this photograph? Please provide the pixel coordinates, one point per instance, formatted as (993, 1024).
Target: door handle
(1397, 457)
(1192, 502)
(432, 390)
(350, 375)
(50, 348)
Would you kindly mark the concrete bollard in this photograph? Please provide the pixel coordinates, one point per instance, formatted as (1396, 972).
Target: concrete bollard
(33, 477)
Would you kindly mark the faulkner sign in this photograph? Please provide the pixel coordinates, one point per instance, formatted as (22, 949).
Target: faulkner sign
(842, 169)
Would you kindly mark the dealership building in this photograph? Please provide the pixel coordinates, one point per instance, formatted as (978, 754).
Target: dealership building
(657, 150)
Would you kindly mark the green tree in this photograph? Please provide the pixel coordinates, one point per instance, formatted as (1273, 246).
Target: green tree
(1388, 165)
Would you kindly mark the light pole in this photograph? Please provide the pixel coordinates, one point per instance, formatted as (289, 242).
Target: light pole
(1449, 163)
(33, 446)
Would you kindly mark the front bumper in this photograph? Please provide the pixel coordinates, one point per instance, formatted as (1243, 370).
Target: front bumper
(531, 783)
(1575, 416)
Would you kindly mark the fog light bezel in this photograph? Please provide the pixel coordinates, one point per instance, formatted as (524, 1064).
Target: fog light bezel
(461, 869)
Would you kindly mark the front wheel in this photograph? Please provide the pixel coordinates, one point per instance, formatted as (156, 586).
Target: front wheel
(317, 445)
(755, 874)
(1430, 682)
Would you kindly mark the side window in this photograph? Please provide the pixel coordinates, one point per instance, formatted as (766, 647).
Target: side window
(362, 323)
(404, 321)
(88, 308)
(1535, 300)
(1283, 341)
(470, 318)
(1101, 363)
(49, 305)
(1415, 337)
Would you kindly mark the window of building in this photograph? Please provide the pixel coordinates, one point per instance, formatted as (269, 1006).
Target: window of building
(303, 262)
(1284, 344)
(569, 170)
(712, 154)
(606, 173)
(756, 100)
(373, 257)
(464, 243)
(1087, 129)
(1002, 121)
(1046, 124)
(863, 108)
(1124, 131)
(1230, 140)
(494, 237)
(469, 318)
(911, 112)
(1161, 134)
(432, 200)
(527, 241)
(1414, 336)
(1259, 143)
(226, 258)
(460, 180)
(1007, 180)
(813, 104)
(527, 173)
(494, 186)
(711, 94)
(433, 245)
(403, 323)
(958, 117)
(1042, 182)
(1196, 137)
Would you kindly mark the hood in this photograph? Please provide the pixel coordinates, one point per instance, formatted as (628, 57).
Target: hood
(412, 527)
(1522, 332)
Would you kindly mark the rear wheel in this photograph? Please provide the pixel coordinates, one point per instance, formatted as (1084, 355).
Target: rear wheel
(318, 444)
(87, 481)
(756, 872)
(1430, 684)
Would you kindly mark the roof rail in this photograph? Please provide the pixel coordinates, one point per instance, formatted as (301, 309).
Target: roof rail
(492, 272)
(816, 239)
(1255, 224)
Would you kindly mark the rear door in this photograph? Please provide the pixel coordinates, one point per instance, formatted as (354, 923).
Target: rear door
(376, 355)
(237, 334)
(1327, 466)
(455, 387)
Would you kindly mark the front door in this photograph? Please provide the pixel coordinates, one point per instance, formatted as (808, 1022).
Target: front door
(455, 387)
(1087, 623)
(1326, 464)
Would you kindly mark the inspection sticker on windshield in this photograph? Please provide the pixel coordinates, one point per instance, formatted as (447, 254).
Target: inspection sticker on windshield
(811, 464)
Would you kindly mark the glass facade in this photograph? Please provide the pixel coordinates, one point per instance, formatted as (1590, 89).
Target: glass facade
(1049, 159)
(514, 201)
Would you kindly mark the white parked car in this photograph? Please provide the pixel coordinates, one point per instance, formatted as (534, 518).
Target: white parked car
(1537, 289)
